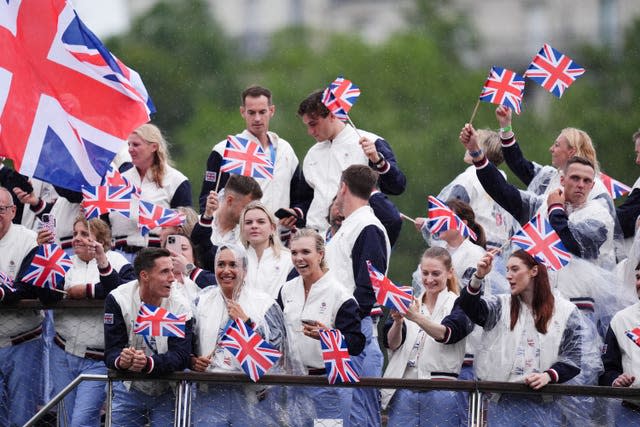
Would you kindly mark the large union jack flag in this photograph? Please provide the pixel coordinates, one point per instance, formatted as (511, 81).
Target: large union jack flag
(155, 321)
(340, 96)
(101, 200)
(151, 216)
(67, 105)
(540, 240)
(48, 267)
(336, 357)
(553, 70)
(614, 187)
(442, 218)
(503, 87)
(387, 293)
(245, 157)
(634, 335)
(255, 355)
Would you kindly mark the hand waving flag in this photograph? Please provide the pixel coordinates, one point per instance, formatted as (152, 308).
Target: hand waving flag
(553, 70)
(155, 321)
(255, 355)
(503, 87)
(245, 157)
(336, 357)
(614, 187)
(151, 216)
(387, 293)
(67, 105)
(441, 218)
(540, 240)
(48, 267)
(340, 96)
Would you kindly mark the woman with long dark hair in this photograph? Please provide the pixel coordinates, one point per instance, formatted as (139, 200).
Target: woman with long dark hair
(530, 336)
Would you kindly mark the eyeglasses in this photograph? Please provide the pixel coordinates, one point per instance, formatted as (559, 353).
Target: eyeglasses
(5, 209)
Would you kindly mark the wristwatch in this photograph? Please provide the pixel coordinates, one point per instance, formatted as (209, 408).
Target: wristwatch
(381, 161)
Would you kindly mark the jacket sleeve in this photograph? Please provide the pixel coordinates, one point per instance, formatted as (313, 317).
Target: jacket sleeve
(570, 352)
(182, 195)
(505, 194)
(301, 195)
(370, 245)
(348, 322)
(583, 239)
(524, 169)
(116, 337)
(611, 359)
(391, 179)
(388, 214)
(484, 312)
(458, 325)
(203, 278)
(110, 279)
(628, 212)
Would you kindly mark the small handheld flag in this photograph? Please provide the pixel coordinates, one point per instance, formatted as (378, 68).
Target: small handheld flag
(387, 293)
(540, 240)
(503, 87)
(553, 70)
(245, 157)
(340, 96)
(151, 216)
(336, 357)
(255, 355)
(614, 187)
(101, 200)
(634, 335)
(442, 218)
(155, 321)
(48, 267)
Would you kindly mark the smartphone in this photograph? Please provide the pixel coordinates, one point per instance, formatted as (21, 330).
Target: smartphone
(283, 213)
(48, 222)
(309, 322)
(174, 243)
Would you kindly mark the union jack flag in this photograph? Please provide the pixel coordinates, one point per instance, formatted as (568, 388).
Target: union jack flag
(101, 200)
(340, 96)
(6, 280)
(151, 216)
(442, 218)
(155, 321)
(48, 267)
(336, 357)
(553, 70)
(503, 87)
(255, 355)
(114, 178)
(540, 240)
(634, 335)
(245, 157)
(387, 293)
(614, 187)
(64, 98)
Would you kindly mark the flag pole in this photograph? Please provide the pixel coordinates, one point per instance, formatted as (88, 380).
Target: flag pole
(354, 126)
(403, 216)
(475, 110)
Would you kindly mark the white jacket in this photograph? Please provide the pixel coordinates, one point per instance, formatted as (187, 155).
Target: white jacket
(270, 272)
(626, 320)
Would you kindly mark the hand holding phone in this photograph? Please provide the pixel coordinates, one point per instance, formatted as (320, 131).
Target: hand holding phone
(48, 222)
(283, 213)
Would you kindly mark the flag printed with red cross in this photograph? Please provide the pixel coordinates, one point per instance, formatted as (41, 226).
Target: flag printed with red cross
(336, 357)
(387, 293)
(246, 157)
(634, 335)
(340, 96)
(540, 240)
(67, 105)
(553, 70)
(503, 87)
(101, 200)
(155, 321)
(614, 187)
(48, 267)
(255, 355)
(441, 218)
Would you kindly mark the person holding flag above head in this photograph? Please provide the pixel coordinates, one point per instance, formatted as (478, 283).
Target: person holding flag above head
(315, 301)
(147, 329)
(217, 308)
(427, 342)
(279, 190)
(339, 145)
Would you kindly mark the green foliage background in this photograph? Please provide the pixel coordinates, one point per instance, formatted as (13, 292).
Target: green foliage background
(416, 92)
